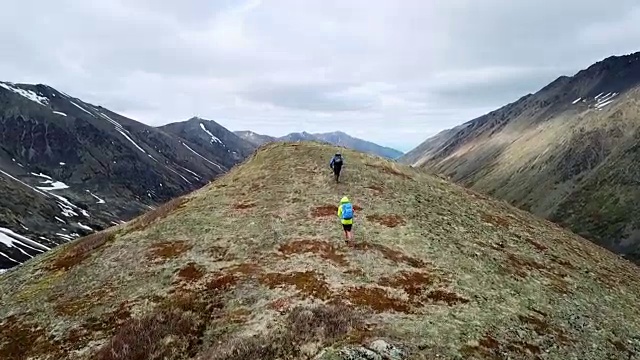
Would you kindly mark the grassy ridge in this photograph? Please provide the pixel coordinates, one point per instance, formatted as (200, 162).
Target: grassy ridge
(253, 265)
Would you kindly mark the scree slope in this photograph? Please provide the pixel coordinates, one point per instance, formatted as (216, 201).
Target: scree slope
(252, 266)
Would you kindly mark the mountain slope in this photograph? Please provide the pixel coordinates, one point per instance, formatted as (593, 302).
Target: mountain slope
(566, 153)
(337, 138)
(255, 138)
(68, 167)
(228, 149)
(252, 266)
(341, 139)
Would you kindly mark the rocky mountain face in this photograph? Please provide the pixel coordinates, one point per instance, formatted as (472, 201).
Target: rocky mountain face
(69, 168)
(337, 138)
(436, 271)
(568, 152)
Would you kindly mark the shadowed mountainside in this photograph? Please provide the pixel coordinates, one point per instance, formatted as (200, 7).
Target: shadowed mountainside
(69, 168)
(253, 266)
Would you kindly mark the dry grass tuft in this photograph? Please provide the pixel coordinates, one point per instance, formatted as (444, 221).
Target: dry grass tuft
(390, 220)
(390, 169)
(21, 339)
(376, 188)
(161, 335)
(321, 325)
(323, 249)
(80, 250)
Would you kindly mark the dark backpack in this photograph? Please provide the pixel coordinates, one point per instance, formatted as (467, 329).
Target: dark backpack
(347, 211)
(337, 160)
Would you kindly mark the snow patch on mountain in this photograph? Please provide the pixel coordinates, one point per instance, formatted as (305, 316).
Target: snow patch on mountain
(194, 174)
(81, 108)
(100, 201)
(602, 101)
(177, 173)
(85, 227)
(42, 176)
(59, 113)
(7, 235)
(207, 160)
(213, 137)
(65, 236)
(122, 131)
(26, 93)
(55, 185)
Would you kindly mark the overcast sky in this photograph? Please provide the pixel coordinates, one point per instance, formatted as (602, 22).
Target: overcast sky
(390, 71)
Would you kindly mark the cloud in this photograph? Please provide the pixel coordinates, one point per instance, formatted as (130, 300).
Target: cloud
(390, 72)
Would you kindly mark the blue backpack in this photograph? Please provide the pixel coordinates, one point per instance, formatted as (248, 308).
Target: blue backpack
(347, 211)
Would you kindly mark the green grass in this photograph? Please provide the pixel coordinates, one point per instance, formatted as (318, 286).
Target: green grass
(436, 270)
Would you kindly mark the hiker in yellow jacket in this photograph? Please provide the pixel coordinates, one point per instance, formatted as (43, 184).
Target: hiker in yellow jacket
(345, 214)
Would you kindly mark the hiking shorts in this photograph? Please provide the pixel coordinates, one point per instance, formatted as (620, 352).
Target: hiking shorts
(347, 227)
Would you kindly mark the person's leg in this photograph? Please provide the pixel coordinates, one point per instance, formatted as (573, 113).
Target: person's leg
(347, 232)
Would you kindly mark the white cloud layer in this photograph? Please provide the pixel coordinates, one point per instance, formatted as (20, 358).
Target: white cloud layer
(393, 72)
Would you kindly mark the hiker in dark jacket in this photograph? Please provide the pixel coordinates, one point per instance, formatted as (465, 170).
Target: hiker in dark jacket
(336, 165)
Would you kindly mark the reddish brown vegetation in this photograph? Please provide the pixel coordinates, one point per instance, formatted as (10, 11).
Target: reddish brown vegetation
(392, 255)
(242, 206)
(537, 245)
(80, 250)
(323, 249)
(309, 283)
(447, 297)
(325, 211)
(377, 188)
(329, 210)
(413, 283)
(220, 283)
(191, 272)
(167, 250)
(389, 220)
(142, 222)
(495, 220)
(376, 299)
